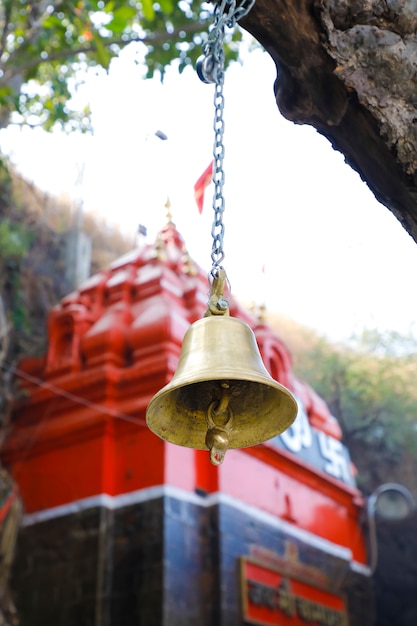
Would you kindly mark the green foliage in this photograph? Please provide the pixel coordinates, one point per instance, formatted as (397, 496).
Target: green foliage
(18, 311)
(32, 259)
(14, 240)
(45, 47)
(369, 387)
(5, 181)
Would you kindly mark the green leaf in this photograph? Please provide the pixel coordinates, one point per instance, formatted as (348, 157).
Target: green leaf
(167, 6)
(5, 93)
(52, 21)
(148, 10)
(125, 13)
(109, 7)
(122, 18)
(103, 56)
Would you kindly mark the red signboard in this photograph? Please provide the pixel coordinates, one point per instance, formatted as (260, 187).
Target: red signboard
(272, 598)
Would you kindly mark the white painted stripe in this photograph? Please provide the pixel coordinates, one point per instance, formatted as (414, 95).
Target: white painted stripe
(110, 502)
(151, 493)
(360, 568)
(67, 509)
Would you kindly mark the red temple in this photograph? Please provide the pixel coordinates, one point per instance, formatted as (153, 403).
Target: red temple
(272, 536)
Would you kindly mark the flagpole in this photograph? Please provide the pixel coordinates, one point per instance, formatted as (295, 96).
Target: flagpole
(153, 159)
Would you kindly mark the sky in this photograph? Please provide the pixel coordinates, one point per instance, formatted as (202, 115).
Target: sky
(303, 234)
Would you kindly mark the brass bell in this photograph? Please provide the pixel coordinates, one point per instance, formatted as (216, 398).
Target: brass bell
(221, 395)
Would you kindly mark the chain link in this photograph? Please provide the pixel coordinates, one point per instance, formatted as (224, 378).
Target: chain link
(211, 70)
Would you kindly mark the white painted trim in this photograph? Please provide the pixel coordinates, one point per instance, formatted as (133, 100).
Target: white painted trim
(110, 502)
(151, 493)
(360, 568)
(67, 509)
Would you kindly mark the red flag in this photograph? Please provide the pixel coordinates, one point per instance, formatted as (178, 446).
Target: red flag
(200, 186)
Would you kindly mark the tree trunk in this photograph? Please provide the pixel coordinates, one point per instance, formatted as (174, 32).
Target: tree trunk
(348, 68)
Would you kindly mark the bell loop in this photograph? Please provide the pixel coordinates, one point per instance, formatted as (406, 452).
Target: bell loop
(217, 304)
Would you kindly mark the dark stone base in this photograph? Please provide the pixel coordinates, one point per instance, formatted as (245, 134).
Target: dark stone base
(163, 562)
(396, 574)
(55, 571)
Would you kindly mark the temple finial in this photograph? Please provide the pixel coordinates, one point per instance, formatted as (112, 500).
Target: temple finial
(168, 213)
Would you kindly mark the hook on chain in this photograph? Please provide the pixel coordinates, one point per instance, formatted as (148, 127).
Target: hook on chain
(226, 13)
(208, 68)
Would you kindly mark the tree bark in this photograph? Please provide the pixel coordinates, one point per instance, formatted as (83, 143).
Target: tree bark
(349, 68)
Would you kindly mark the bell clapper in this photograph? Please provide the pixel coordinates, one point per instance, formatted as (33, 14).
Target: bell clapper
(217, 437)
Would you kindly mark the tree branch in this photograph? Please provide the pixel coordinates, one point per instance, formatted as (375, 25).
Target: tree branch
(355, 432)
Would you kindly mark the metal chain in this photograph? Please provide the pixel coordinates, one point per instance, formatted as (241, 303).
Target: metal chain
(217, 229)
(210, 69)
